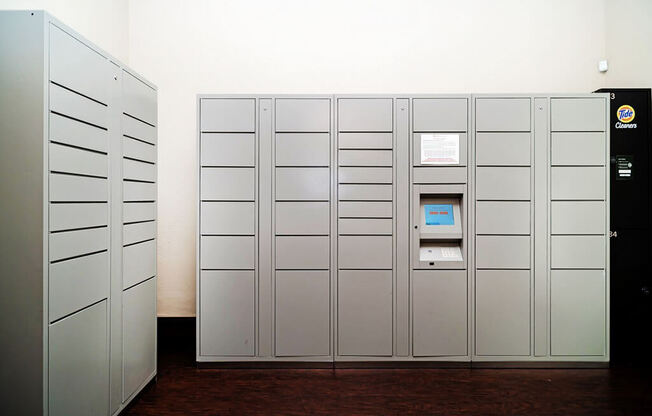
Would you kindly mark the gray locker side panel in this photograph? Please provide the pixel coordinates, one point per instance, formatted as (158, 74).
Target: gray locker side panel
(364, 312)
(22, 219)
(227, 313)
(364, 114)
(79, 363)
(440, 114)
(502, 114)
(502, 322)
(302, 313)
(439, 313)
(139, 336)
(230, 115)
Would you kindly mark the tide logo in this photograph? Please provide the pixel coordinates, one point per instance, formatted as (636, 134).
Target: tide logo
(625, 113)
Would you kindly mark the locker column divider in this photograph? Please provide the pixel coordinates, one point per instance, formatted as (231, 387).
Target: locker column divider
(402, 224)
(265, 155)
(470, 229)
(333, 215)
(115, 210)
(541, 225)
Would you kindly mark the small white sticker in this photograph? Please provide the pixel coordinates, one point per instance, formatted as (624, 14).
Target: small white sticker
(440, 149)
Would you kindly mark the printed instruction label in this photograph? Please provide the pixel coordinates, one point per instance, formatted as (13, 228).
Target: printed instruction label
(440, 149)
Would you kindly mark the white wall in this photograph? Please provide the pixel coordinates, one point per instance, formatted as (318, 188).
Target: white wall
(629, 43)
(103, 22)
(297, 46)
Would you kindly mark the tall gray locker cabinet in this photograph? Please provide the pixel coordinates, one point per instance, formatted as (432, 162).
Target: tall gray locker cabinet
(541, 228)
(78, 287)
(264, 246)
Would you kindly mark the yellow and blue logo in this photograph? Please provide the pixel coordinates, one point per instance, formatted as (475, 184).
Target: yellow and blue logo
(625, 113)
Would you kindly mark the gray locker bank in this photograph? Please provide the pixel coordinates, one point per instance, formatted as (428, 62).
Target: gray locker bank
(78, 247)
(416, 229)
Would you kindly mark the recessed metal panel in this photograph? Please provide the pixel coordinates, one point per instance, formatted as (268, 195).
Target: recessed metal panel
(440, 114)
(228, 149)
(135, 149)
(365, 114)
(359, 157)
(229, 115)
(365, 209)
(227, 218)
(577, 313)
(502, 312)
(302, 184)
(365, 140)
(227, 184)
(364, 303)
(502, 149)
(365, 252)
(74, 133)
(138, 191)
(139, 99)
(70, 104)
(424, 175)
(365, 226)
(226, 307)
(232, 252)
(138, 171)
(303, 114)
(502, 252)
(78, 363)
(503, 183)
(78, 67)
(574, 183)
(141, 231)
(439, 310)
(365, 192)
(578, 114)
(138, 263)
(578, 149)
(138, 211)
(577, 251)
(302, 252)
(365, 175)
(77, 283)
(302, 313)
(71, 188)
(502, 114)
(303, 149)
(297, 218)
(137, 129)
(139, 336)
(74, 216)
(502, 217)
(578, 217)
(68, 244)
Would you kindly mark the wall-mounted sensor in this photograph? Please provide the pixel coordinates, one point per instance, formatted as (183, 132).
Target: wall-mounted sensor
(603, 66)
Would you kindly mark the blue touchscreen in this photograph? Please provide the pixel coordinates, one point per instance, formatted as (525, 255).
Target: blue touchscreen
(439, 214)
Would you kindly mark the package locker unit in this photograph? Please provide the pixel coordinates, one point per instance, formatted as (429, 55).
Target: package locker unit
(78, 132)
(264, 267)
(541, 228)
(518, 273)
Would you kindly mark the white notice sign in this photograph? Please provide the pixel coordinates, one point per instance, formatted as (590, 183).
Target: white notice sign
(440, 149)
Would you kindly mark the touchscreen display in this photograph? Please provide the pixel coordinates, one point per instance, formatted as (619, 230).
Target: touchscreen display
(439, 214)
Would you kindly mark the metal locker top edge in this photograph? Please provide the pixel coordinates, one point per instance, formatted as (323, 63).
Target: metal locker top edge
(52, 19)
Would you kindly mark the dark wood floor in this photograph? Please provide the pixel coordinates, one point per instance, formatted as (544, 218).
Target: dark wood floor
(182, 389)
